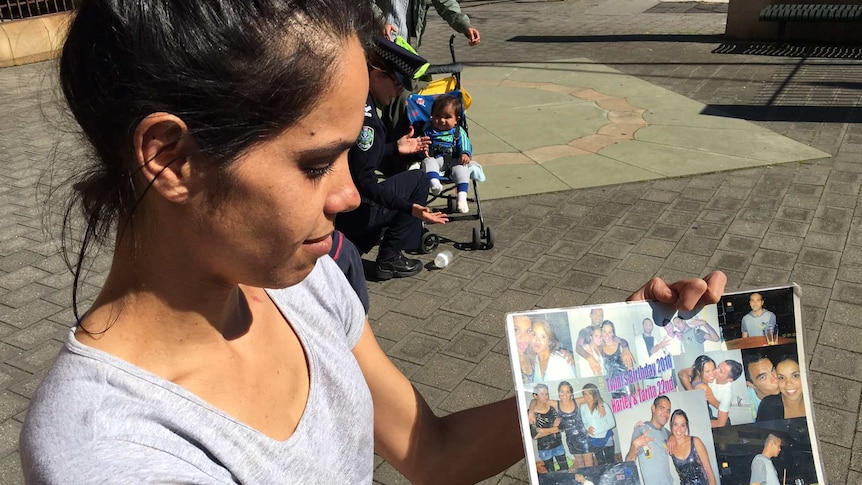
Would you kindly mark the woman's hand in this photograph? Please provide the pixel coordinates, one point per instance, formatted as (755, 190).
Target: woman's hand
(427, 215)
(684, 294)
(566, 355)
(408, 144)
(628, 358)
(594, 366)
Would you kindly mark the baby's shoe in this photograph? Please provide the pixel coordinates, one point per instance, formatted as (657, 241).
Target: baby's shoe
(462, 203)
(436, 187)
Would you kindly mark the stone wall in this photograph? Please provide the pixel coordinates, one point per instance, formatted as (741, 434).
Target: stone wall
(32, 40)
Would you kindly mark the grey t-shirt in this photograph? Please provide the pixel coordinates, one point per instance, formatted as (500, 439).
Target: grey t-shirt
(98, 419)
(653, 458)
(755, 326)
(763, 471)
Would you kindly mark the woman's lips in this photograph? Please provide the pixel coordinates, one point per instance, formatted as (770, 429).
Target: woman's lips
(319, 246)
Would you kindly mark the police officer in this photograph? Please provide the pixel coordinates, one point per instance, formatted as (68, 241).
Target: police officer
(394, 207)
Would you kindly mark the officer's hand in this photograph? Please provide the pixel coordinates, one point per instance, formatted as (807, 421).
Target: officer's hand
(408, 144)
(427, 215)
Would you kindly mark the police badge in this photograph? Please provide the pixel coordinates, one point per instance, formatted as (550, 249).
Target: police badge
(366, 138)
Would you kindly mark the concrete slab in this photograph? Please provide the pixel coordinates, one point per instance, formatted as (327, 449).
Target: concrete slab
(560, 111)
(515, 180)
(596, 170)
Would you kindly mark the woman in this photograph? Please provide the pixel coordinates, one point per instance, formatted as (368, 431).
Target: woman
(702, 374)
(790, 400)
(546, 431)
(592, 346)
(571, 423)
(549, 364)
(220, 132)
(689, 454)
(617, 359)
(600, 424)
(524, 341)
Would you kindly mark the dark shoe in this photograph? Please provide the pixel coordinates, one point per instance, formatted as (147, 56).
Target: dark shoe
(398, 267)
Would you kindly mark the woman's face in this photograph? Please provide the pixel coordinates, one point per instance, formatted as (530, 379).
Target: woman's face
(588, 398)
(607, 334)
(565, 393)
(542, 395)
(275, 219)
(384, 86)
(541, 340)
(678, 426)
(647, 326)
(597, 336)
(709, 372)
(523, 333)
(789, 380)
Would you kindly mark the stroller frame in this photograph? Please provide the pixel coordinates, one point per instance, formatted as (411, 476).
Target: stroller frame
(483, 237)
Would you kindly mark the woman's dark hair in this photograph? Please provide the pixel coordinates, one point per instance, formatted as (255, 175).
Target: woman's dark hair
(699, 364)
(237, 72)
(610, 324)
(593, 391)
(785, 358)
(680, 412)
(565, 384)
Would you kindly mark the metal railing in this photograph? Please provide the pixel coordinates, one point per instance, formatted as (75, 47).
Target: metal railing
(23, 9)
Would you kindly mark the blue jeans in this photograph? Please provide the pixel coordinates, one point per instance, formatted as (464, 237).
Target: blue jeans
(546, 455)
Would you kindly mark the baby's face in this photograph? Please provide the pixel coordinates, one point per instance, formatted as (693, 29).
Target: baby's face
(444, 118)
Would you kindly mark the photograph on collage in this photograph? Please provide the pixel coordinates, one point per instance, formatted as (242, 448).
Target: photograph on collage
(638, 393)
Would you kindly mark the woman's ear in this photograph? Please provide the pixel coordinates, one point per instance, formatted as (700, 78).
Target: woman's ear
(163, 152)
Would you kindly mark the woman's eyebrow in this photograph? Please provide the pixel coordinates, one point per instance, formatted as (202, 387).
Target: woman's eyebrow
(328, 149)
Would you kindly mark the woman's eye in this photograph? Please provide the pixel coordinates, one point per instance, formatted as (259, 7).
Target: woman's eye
(317, 172)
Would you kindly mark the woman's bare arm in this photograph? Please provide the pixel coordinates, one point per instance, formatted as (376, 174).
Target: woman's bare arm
(463, 447)
(704, 460)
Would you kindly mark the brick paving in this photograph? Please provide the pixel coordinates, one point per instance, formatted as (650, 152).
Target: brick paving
(762, 226)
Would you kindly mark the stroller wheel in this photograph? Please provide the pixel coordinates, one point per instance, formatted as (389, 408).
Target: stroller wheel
(489, 238)
(430, 241)
(477, 243)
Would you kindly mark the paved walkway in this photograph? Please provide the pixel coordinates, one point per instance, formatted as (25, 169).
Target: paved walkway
(692, 161)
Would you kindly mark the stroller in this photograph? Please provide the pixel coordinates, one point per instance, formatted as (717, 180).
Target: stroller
(419, 113)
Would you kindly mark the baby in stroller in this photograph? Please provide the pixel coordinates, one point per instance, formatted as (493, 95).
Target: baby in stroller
(450, 150)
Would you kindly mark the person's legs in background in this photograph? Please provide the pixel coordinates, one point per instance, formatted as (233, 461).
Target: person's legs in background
(403, 231)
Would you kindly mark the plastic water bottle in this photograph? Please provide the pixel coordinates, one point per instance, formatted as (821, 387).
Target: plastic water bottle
(443, 258)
